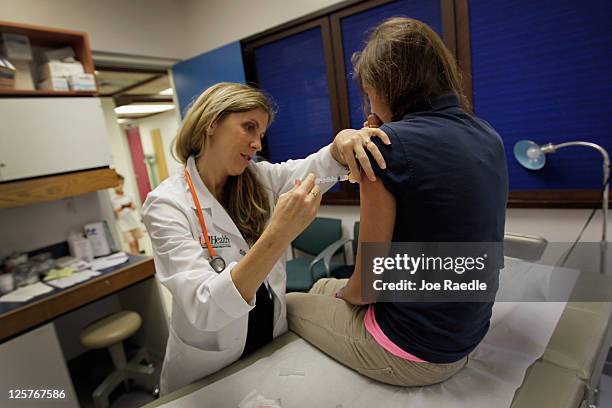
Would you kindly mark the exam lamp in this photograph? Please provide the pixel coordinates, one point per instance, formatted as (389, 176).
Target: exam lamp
(533, 157)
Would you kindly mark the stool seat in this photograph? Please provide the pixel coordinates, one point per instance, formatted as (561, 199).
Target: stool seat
(111, 330)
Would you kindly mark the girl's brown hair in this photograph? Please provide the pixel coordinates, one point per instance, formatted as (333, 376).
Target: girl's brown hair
(408, 65)
(244, 196)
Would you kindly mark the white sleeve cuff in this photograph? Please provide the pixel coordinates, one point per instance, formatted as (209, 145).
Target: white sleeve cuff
(226, 296)
(336, 168)
(332, 168)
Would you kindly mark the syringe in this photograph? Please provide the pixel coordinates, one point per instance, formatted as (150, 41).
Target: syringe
(331, 179)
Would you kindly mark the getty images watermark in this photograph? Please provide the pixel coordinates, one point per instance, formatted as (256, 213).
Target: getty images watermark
(469, 272)
(411, 265)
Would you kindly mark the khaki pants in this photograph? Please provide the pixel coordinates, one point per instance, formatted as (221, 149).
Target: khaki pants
(336, 328)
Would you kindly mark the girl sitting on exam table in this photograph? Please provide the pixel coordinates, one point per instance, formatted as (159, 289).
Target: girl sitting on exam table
(445, 181)
(220, 229)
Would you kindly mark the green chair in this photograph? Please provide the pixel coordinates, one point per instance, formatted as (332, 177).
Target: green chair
(321, 240)
(345, 271)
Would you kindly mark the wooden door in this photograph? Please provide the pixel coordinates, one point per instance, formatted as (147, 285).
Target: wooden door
(138, 162)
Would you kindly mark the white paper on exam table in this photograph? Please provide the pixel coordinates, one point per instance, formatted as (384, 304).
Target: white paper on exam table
(532, 282)
(73, 279)
(518, 336)
(26, 293)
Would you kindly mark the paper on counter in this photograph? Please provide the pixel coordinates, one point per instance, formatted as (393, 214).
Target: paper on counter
(26, 293)
(74, 279)
(109, 261)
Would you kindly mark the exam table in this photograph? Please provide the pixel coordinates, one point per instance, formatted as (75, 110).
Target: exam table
(565, 376)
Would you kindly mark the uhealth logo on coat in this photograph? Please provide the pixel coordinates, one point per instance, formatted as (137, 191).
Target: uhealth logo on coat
(219, 241)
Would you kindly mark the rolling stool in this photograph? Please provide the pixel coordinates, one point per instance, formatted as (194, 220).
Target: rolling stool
(109, 332)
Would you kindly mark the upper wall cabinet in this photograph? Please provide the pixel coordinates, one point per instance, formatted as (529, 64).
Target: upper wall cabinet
(30, 48)
(39, 137)
(53, 143)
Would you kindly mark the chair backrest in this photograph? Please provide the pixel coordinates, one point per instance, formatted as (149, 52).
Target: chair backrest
(320, 234)
(527, 247)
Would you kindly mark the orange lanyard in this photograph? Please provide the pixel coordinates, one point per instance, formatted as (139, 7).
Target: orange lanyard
(211, 251)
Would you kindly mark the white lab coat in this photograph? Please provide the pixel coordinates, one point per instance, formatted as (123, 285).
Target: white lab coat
(208, 325)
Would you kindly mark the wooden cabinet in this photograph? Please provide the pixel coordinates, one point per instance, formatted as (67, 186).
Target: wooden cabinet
(35, 361)
(53, 144)
(51, 38)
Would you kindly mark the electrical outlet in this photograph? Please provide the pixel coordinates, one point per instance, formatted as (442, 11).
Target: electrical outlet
(71, 205)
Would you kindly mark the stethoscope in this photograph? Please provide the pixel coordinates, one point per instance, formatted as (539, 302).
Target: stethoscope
(215, 261)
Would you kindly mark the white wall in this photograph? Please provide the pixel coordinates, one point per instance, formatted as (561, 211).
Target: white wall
(39, 225)
(158, 28)
(211, 24)
(168, 124)
(138, 27)
(556, 225)
(121, 160)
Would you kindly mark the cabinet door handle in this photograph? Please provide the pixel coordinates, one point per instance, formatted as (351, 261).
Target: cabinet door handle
(2, 165)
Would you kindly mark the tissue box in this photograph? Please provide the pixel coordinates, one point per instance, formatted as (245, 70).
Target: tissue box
(59, 69)
(16, 47)
(23, 75)
(54, 84)
(82, 82)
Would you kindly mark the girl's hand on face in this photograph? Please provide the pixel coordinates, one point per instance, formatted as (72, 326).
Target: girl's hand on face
(296, 208)
(373, 121)
(349, 147)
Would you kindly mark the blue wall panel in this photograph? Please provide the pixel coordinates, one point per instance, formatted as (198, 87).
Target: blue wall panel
(355, 30)
(541, 71)
(194, 75)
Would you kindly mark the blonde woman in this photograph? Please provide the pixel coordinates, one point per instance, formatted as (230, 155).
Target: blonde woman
(220, 229)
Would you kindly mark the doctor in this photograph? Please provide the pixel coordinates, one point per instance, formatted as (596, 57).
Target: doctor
(220, 229)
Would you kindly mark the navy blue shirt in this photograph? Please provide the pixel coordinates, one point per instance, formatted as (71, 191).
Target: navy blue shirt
(447, 172)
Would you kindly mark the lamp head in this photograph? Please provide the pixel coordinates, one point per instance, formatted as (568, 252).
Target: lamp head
(529, 155)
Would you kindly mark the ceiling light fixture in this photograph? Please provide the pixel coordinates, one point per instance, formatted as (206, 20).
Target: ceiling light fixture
(136, 109)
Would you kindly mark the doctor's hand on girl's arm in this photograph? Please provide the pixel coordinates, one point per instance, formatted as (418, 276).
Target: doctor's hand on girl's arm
(294, 211)
(349, 149)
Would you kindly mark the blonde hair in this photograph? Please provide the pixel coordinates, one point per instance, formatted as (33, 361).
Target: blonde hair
(408, 64)
(244, 196)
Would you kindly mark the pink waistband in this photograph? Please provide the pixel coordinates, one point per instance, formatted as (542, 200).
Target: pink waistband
(381, 338)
